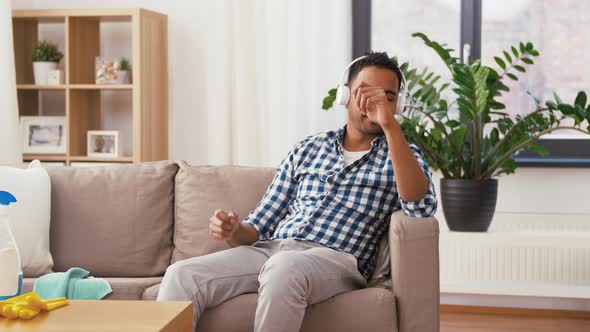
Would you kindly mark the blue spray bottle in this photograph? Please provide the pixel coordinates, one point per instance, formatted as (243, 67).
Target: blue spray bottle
(11, 274)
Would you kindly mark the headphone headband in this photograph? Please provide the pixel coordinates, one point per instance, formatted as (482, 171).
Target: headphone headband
(343, 91)
(343, 78)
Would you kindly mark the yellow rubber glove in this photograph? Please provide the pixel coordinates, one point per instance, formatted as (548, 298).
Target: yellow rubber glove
(28, 305)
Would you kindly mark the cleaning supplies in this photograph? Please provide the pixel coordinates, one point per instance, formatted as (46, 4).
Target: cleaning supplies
(28, 305)
(74, 284)
(11, 275)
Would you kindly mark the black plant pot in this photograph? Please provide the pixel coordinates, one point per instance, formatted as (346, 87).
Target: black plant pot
(469, 205)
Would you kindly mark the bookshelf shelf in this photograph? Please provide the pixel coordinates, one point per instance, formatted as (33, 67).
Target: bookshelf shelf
(40, 87)
(45, 157)
(101, 86)
(101, 159)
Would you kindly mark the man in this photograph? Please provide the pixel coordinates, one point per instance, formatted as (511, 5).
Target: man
(315, 233)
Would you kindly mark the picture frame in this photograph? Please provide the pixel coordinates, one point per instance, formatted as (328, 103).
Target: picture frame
(103, 143)
(44, 134)
(108, 71)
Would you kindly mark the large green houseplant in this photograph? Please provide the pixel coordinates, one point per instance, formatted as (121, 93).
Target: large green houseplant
(468, 136)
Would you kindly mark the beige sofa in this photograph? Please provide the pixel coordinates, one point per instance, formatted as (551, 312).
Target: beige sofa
(128, 223)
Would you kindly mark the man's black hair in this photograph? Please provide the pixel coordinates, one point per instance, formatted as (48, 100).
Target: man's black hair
(379, 60)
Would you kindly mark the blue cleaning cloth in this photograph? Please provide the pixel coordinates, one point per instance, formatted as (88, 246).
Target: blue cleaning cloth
(75, 284)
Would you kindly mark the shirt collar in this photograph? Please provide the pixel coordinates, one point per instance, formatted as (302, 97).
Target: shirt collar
(339, 144)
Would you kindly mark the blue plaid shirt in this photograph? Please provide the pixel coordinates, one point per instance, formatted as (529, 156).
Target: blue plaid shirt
(313, 197)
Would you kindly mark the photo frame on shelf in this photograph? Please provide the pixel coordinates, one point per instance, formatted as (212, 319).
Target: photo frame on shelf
(110, 71)
(103, 143)
(44, 134)
(105, 71)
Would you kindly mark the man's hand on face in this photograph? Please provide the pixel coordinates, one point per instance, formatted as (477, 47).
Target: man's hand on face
(378, 105)
(223, 225)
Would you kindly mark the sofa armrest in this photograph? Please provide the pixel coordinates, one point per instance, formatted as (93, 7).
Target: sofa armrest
(413, 245)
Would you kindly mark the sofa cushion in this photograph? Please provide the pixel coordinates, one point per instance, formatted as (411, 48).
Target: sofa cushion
(114, 221)
(151, 293)
(369, 309)
(130, 288)
(200, 190)
(123, 288)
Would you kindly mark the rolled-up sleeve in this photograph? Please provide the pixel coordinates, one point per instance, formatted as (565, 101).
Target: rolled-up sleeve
(275, 203)
(425, 207)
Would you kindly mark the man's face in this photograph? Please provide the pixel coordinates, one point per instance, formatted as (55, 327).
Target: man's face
(370, 76)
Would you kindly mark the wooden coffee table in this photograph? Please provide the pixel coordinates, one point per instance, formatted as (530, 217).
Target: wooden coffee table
(86, 316)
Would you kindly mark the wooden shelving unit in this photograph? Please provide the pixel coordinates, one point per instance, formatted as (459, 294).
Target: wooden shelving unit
(148, 92)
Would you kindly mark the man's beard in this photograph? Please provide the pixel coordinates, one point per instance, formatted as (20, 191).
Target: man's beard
(369, 128)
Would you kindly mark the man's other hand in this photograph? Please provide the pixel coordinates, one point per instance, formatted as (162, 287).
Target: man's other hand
(223, 225)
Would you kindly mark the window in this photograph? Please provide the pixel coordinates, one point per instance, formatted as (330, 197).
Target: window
(391, 32)
(559, 32)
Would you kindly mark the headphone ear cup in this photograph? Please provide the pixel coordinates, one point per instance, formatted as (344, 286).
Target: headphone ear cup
(342, 95)
(401, 102)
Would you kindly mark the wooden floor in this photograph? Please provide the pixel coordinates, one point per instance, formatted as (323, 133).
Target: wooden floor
(457, 320)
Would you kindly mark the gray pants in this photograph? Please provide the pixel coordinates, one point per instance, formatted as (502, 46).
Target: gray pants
(288, 275)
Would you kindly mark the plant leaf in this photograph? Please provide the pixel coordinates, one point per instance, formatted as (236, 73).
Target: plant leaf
(566, 109)
(328, 101)
(503, 87)
(519, 68)
(509, 166)
(514, 51)
(436, 134)
(512, 76)
(507, 56)
(494, 135)
(541, 150)
(443, 53)
(581, 99)
(453, 123)
(527, 61)
(579, 114)
(557, 99)
(537, 101)
(500, 62)
(466, 112)
(497, 105)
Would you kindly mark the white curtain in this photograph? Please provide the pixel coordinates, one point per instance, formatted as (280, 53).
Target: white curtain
(10, 148)
(269, 65)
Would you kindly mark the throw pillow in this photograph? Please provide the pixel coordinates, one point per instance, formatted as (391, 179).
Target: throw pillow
(30, 215)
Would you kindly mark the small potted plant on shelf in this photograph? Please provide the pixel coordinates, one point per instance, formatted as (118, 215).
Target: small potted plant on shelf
(468, 137)
(123, 71)
(45, 58)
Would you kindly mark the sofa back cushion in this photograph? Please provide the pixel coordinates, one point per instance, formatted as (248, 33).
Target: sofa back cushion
(114, 221)
(200, 190)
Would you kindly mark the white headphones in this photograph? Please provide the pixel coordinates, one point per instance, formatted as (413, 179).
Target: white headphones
(343, 92)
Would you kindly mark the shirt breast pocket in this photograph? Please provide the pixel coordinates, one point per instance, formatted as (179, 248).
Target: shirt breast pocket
(311, 184)
(369, 180)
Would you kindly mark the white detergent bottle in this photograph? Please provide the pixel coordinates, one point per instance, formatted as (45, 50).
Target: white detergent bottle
(11, 274)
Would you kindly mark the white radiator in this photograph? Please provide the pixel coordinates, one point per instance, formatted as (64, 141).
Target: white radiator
(528, 255)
